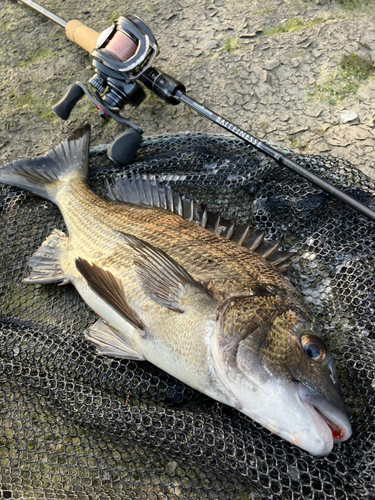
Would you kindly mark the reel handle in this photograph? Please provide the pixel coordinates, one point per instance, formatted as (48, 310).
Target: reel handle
(82, 35)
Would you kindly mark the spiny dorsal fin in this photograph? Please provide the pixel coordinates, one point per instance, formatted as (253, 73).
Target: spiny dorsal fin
(163, 279)
(109, 288)
(147, 190)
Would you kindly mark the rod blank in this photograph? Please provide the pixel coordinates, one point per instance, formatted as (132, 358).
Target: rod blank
(279, 157)
(45, 12)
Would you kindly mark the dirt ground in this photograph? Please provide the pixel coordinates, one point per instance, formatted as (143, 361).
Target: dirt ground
(298, 73)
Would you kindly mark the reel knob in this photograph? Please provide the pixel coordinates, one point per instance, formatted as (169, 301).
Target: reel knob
(66, 104)
(123, 149)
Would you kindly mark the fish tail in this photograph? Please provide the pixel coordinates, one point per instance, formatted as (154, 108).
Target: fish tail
(45, 175)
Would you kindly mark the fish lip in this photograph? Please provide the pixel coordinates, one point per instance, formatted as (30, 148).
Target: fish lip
(331, 422)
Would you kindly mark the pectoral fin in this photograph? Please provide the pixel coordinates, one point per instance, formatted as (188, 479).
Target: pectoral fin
(110, 342)
(163, 279)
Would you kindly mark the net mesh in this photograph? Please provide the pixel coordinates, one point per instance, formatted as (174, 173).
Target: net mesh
(78, 425)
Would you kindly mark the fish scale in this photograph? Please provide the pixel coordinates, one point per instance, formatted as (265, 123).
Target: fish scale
(88, 220)
(189, 244)
(205, 309)
(93, 227)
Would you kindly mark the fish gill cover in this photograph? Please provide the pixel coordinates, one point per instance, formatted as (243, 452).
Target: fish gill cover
(79, 425)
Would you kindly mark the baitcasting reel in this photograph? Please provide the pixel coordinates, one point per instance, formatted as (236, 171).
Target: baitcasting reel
(122, 54)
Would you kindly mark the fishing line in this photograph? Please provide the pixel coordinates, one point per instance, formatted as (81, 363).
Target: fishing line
(122, 46)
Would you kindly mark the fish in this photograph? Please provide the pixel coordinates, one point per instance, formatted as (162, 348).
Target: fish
(200, 297)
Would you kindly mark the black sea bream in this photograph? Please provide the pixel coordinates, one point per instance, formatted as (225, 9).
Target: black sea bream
(205, 308)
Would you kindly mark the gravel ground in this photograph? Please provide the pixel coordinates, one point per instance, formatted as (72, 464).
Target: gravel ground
(297, 73)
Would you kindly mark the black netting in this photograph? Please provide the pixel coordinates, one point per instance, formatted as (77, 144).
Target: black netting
(78, 425)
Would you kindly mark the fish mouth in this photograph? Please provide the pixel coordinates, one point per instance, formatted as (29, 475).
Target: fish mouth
(338, 433)
(331, 422)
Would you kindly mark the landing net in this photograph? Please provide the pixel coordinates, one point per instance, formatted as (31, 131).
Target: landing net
(75, 425)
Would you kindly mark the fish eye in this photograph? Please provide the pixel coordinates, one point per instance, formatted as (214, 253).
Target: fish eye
(314, 347)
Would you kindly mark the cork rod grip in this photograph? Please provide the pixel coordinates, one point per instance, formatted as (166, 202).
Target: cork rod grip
(82, 35)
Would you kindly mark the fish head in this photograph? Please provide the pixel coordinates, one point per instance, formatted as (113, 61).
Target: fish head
(279, 372)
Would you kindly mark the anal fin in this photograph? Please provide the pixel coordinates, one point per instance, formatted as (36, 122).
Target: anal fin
(45, 261)
(109, 342)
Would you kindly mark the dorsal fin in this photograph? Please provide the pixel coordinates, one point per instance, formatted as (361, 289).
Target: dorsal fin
(148, 190)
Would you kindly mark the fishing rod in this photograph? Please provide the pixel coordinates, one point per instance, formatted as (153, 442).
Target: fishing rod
(122, 56)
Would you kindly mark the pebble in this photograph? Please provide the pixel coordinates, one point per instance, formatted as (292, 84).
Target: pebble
(347, 116)
(334, 140)
(266, 77)
(270, 65)
(322, 147)
(171, 468)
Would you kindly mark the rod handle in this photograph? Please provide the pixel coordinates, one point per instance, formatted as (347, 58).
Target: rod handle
(82, 35)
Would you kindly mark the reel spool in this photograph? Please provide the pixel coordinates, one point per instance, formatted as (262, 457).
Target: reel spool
(122, 54)
(121, 46)
(130, 44)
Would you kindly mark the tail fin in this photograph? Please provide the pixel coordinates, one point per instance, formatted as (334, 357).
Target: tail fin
(45, 174)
